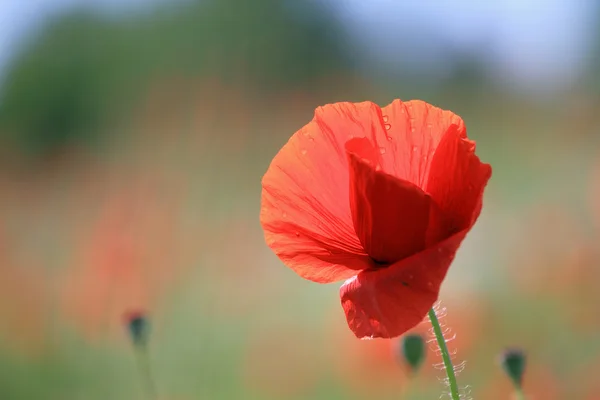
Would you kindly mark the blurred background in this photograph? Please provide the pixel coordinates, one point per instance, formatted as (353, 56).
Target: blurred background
(134, 135)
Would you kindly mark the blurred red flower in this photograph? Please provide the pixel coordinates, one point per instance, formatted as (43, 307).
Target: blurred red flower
(126, 260)
(382, 197)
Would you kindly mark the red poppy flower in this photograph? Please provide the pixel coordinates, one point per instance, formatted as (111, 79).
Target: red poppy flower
(381, 197)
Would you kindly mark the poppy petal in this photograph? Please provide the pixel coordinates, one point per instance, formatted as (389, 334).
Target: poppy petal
(457, 179)
(305, 211)
(414, 130)
(390, 215)
(387, 302)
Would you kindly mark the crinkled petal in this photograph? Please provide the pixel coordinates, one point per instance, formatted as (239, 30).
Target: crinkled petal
(390, 215)
(387, 302)
(305, 209)
(457, 179)
(414, 130)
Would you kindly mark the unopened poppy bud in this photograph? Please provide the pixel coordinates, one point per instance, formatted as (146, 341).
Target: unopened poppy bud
(513, 363)
(412, 350)
(139, 327)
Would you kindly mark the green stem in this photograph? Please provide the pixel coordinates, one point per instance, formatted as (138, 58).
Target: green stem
(519, 395)
(145, 372)
(441, 341)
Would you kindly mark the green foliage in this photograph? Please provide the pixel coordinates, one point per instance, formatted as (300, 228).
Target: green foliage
(84, 70)
(54, 89)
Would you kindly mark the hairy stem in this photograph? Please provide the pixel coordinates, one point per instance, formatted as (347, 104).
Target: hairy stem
(441, 341)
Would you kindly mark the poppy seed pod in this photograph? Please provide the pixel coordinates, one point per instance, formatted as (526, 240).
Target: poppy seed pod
(513, 363)
(138, 326)
(413, 351)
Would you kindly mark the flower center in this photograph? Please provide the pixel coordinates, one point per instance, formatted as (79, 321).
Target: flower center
(380, 264)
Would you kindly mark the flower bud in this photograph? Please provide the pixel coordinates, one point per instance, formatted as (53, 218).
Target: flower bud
(412, 350)
(513, 363)
(139, 327)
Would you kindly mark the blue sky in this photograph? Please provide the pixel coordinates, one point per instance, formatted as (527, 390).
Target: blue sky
(529, 42)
